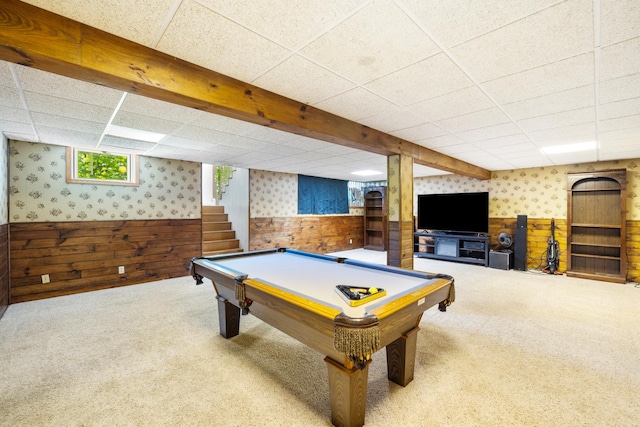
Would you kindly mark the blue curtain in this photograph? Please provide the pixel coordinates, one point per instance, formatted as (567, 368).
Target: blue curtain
(322, 195)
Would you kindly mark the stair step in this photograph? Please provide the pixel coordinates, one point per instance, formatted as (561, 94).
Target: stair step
(216, 226)
(212, 209)
(221, 252)
(210, 236)
(220, 245)
(215, 217)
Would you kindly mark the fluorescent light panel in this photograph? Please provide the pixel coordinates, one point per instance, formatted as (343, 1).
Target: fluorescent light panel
(570, 148)
(137, 134)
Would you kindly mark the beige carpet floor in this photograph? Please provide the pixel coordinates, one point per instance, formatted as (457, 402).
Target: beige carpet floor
(515, 349)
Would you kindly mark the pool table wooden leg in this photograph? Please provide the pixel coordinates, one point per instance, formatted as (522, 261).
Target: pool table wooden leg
(347, 393)
(401, 358)
(228, 317)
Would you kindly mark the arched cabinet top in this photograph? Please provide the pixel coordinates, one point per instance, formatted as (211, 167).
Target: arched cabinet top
(613, 179)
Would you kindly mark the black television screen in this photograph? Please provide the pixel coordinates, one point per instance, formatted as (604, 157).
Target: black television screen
(454, 212)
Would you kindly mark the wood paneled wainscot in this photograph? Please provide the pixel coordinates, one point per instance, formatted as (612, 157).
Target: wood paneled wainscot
(319, 234)
(85, 256)
(4, 268)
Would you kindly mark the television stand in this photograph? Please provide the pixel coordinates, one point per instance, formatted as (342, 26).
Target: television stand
(471, 249)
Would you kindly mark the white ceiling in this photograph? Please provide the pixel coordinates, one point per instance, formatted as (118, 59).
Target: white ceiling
(487, 82)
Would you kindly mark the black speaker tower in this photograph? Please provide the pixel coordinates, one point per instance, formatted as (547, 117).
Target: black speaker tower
(520, 249)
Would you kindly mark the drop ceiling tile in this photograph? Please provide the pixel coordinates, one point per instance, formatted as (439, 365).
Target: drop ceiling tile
(169, 152)
(620, 60)
(123, 144)
(489, 132)
(619, 20)
(247, 143)
(553, 34)
(245, 160)
(620, 89)
(493, 163)
(149, 107)
(455, 21)
(475, 120)
(426, 79)
(631, 153)
(619, 123)
(530, 162)
(566, 118)
(39, 103)
(335, 150)
(353, 48)
(558, 102)
(565, 135)
(66, 137)
(18, 130)
(615, 136)
(68, 123)
(438, 142)
(60, 87)
(453, 104)
(190, 143)
(151, 124)
(285, 150)
(507, 144)
(219, 44)
(574, 158)
(423, 131)
(302, 80)
(291, 24)
(265, 133)
(619, 109)
(115, 17)
(458, 149)
(6, 77)
(203, 135)
(11, 99)
(8, 113)
(392, 120)
(305, 143)
(562, 75)
(222, 124)
(355, 104)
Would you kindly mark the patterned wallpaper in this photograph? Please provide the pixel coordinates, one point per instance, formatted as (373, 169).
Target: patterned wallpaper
(4, 212)
(272, 194)
(535, 192)
(38, 191)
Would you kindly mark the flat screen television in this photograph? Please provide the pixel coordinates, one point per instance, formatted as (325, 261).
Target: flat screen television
(454, 212)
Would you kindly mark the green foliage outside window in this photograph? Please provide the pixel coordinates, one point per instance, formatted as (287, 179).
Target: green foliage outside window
(102, 166)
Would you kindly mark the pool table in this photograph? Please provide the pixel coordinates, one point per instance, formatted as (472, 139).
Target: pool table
(295, 292)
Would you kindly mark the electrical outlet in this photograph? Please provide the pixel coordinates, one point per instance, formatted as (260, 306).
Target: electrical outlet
(351, 241)
(45, 278)
(121, 269)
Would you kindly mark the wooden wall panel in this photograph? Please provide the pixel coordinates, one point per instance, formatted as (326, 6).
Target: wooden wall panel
(319, 234)
(538, 235)
(633, 251)
(4, 268)
(84, 256)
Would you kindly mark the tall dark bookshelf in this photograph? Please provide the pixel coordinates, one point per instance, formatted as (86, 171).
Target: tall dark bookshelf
(596, 231)
(375, 218)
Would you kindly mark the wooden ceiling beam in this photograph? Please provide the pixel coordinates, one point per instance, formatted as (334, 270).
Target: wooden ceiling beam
(46, 41)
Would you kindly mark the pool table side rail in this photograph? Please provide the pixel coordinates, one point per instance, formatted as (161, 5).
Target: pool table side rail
(426, 294)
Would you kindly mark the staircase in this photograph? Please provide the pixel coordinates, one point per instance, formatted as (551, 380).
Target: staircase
(217, 235)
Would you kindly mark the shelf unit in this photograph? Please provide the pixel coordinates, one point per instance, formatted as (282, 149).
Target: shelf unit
(471, 249)
(375, 218)
(596, 232)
